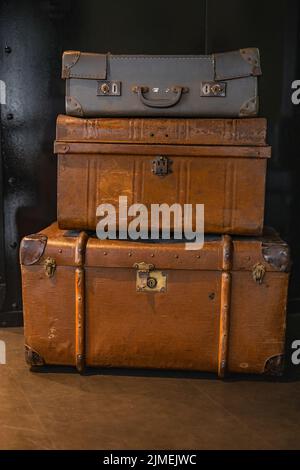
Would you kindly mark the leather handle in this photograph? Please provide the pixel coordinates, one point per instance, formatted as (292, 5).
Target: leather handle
(159, 103)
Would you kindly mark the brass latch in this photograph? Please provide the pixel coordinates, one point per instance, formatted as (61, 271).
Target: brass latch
(148, 279)
(50, 266)
(213, 89)
(109, 88)
(258, 272)
(161, 166)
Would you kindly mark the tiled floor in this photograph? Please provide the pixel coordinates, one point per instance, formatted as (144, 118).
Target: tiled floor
(134, 410)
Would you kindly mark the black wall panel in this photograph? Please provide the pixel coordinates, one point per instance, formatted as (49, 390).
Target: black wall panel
(33, 35)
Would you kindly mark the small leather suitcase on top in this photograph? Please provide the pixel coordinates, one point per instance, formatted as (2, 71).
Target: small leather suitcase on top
(216, 85)
(108, 303)
(220, 163)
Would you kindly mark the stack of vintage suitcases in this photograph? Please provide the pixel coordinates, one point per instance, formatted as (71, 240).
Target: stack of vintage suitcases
(159, 130)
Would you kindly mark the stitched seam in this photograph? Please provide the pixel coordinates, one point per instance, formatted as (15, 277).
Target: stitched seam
(102, 77)
(159, 58)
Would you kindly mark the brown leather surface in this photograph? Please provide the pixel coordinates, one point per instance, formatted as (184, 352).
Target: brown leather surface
(220, 163)
(49, 313)
(86, 148)
(232, 188)
(163, 131)
(179, 328)
(257, 320)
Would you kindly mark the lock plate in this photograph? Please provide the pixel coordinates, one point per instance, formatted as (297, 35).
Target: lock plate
(161, 166)
(213, 89)
(108, 88)
(148, 279)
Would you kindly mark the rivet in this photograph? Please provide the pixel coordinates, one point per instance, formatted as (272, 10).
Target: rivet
(13, 245)
(176, 256)
(7, 49)
(9, 116)
(152, 255)
(198, 256)
(104, 88)
(11, 180)
(105, 253)
(14, 305)
(60, 250)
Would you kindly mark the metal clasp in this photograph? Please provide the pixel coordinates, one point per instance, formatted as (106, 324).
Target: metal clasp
(258, 272)
(108, 88)
(213, 89)
(161, 166)
(50, 266)
(148, 279)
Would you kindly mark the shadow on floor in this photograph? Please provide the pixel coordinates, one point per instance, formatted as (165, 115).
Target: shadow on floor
(288, 376)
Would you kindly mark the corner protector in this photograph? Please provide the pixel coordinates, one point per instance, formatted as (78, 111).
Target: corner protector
(250, 107)
(251, 56)
(274, 366)
(70, 58)
(278, 256)
(73, 107)
(32, 357)
(32, 248)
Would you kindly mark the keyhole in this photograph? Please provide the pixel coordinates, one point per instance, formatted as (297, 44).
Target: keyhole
(151, 282)
(206, 89)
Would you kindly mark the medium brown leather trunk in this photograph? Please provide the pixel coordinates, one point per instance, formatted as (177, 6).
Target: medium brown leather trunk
(220, 163)
(95, 303)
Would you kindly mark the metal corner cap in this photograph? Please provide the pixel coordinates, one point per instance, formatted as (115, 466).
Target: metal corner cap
(32, 357)
(274, 366)
(252, 57)
(73, 107)
(278, 256)
(250, 107)
(32, 249)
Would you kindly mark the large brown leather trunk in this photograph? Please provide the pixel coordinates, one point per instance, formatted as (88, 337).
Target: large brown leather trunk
(91, 302)
(220, 163)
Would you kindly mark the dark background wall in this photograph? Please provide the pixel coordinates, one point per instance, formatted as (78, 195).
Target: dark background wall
(33, 35)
